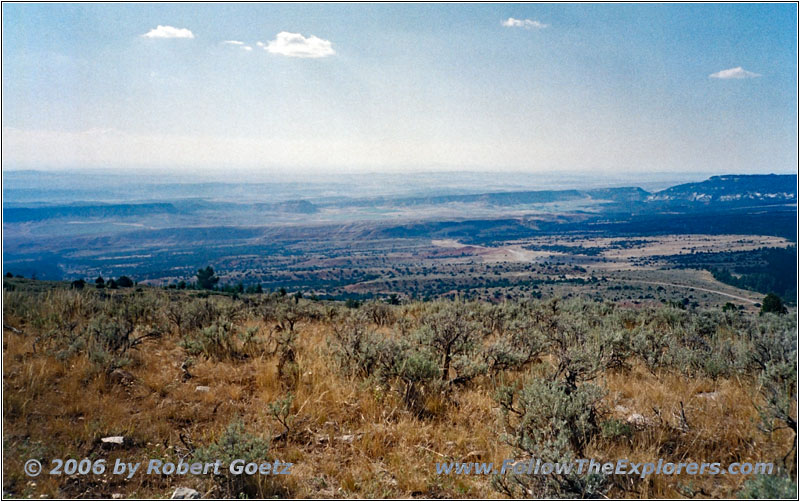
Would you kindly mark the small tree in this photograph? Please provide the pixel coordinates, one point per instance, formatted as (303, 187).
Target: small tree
(773, 304)
(281, 410)
(206, 278)
(100, 282)
(124, 282)
(451, 332)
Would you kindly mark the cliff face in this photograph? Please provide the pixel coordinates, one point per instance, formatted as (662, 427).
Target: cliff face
(765, 188)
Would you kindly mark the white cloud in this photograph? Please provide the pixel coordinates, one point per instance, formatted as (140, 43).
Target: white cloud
(169, 32)
(297, 46)
(737, 72)
(261, 44)
(523, 23)
(239, 44)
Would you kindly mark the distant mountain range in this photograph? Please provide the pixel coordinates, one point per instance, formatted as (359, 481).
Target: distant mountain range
(727, 189)
(770, 188)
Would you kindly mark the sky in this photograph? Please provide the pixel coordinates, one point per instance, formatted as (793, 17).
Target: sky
(307, 88)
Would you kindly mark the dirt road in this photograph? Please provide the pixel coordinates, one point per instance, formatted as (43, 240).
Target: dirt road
(653, 283)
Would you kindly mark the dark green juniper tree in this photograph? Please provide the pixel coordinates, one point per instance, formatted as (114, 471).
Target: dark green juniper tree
(206, 278)
(773, 304)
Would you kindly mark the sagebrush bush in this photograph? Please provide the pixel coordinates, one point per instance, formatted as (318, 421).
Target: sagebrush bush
(398, 381)
(218, 341)
(519, 343)
(450, 329)
(108, 340)
(769, 487)
(418, 362)
(548, 420)
(356, 346)
(380, 313)
(236, 443)
(284, 312)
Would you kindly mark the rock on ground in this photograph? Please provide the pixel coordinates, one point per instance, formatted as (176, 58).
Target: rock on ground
(185, 493)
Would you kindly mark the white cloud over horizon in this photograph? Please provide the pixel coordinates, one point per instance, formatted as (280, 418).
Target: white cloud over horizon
(168, 32)
(524, 23)
(734, 73)
(297, 46)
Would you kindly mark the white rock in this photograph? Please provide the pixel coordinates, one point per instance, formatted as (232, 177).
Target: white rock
(185, 493)
(113, 440)
(636, 419)
(202, 388)
(346, 438)
(117, 496)
(708, 395)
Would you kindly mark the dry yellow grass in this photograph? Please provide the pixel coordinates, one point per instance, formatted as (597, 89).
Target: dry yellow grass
(721, 422)
(349, 437)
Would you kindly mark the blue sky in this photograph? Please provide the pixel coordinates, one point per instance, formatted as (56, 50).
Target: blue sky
(316, 87)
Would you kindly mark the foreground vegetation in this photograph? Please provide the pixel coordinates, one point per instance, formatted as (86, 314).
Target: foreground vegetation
(365, 399)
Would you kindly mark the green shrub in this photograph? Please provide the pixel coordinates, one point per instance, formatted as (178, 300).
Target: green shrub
(520, 343)
(769, 488)
(216, 341)
(281, 410)
(200, 314)
(549, 421)
(112, 334)
(380, 313)
(420, 375)
(288, 369)
(450, 330)
(107, 341)
(356, 347)
(774, 356)
(236, 443)
(615, 429)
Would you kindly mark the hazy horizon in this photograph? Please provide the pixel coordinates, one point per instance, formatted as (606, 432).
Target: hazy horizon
(98, 185)
(296, 89)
